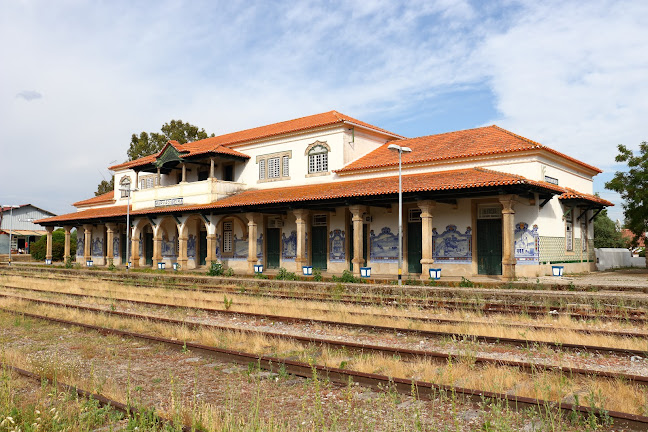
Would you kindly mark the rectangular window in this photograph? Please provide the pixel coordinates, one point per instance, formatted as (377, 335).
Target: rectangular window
(414, 215)
(584, 239)
(569, 231)
(148, 182)
(262, 163)
(273, 167)
(319, 220)
(227, 237)
(318, 163)
(285, 166)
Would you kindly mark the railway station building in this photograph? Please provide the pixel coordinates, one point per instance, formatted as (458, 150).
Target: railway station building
(322, 191)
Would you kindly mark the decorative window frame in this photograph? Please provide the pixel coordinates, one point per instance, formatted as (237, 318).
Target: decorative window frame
(123, 183)
(263, 161)
(308, 156)
(227, 249)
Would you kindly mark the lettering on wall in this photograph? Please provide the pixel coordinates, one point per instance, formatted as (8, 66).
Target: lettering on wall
(168, 202)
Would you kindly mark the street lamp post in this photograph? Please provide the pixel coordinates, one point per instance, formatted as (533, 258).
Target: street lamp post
(400, 150)
(128, 191)
(11, 207)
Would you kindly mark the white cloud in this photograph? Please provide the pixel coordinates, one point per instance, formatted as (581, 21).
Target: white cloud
(567, 75)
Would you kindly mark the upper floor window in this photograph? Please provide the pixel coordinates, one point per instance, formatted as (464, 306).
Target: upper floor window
(318, 158)
(125, 186)
(274, 166)
(148, 182)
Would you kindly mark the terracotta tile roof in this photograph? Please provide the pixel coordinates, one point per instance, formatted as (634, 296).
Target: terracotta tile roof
(572, 194)
(86, 215)
(220, 144)
(453, 145)
(438, 181)
(108, 197)
(186, 150)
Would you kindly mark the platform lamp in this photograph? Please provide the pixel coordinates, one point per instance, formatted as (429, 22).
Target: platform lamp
(10, 207)
(400, 150)
(128, 191)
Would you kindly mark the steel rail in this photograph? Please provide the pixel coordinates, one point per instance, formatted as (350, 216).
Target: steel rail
(573, 311)
(358, 347)
(377, 382)
(128, 410)
(428, 333)
(448, 321)
(365, 289)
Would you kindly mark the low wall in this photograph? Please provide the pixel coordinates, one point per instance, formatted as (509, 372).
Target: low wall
(607, 258)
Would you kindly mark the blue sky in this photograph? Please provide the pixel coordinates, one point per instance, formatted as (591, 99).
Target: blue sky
(79, 77)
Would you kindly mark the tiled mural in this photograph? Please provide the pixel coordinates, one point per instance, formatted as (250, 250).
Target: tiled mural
(384, 246)
(336, 246)
(527, 244)
(452, 246)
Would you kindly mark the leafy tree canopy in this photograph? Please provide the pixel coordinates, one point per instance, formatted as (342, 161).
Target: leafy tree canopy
(145, 144)
(105, 186)
(605, 233)
(632, 185)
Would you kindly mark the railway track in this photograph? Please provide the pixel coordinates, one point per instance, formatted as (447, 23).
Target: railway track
(575, 311)
(375, 349)
(281, 318)
(128, 410)
(423, 389)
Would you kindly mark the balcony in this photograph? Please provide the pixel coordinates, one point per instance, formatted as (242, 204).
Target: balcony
(187, 193)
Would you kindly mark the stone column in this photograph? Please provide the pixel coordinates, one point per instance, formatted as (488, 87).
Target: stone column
(182, 246)
(211, 244)
(212, 171)
(159, 177)
(66, 252)
(427, 247)
(508, 237)
(157, 246)
(110, 252)
(134, 258)
(358, 242)
(301, 259)
(48, 253)
(87, 245)
(184, 173)
(253, 226)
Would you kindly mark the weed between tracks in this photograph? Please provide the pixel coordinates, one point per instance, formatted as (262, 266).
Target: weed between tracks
(394, 317)
(464, 373)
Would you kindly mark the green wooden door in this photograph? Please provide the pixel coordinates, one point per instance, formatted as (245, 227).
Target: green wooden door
(489, 246)
(365, 245)
(273, 247)
(414, 247)
(318, 247)
(148, 248)
(202, 250)
(122, 248)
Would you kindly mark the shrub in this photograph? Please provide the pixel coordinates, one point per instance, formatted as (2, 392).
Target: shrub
(347, 277)
(317, 275)
(285, 275)
(215, 269)
(38, 249)
(466, 283)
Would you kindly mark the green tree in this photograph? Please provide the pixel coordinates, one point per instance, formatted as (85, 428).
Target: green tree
(38, 249)
(146, 144)
(105, 186)
(605, 233)
(633, 187)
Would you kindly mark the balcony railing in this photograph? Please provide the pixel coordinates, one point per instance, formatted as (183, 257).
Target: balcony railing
(200, 192)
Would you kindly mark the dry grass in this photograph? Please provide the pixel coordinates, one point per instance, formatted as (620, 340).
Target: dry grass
(383, 316)
(464, 373)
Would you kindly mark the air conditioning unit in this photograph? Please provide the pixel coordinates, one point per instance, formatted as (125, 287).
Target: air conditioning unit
(368, 219)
